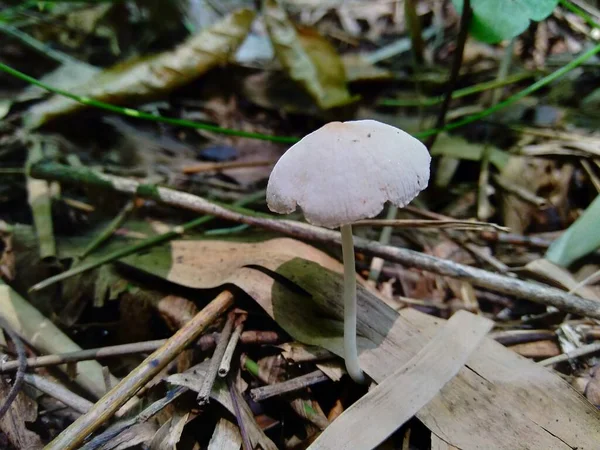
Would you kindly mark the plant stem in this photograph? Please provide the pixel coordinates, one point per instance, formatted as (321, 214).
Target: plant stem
(459, 93)
(461, 40)
(130, 112)
(350, 350)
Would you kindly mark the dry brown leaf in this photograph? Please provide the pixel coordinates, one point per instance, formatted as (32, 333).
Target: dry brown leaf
(299, 352)
(169, 434)
(133, 81)
(534, 175)
(497, 386)
(131, 437)
(380, 412)
(308, 58)
(559, 276)
(23, 410)
(225, 437)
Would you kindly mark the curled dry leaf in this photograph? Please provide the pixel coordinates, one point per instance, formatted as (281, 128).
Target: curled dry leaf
(496, 387)
(137, 80)
(308, 58)
(13, 423)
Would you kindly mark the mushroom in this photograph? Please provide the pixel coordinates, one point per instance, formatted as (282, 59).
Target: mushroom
(344, 172)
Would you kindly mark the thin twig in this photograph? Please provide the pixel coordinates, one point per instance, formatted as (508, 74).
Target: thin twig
(417, 223)
(73, 436)
(295, 384)
(86, 355)
(220, 166)
(229, 351)
(581, 351)
(205, 343)
(22, 361)
(59, 392)
(531, 291)
(215, 362)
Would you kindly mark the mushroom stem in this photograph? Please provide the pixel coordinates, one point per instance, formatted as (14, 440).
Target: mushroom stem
(350, 349)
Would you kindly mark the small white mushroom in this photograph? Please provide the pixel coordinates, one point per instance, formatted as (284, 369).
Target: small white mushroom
(344, 172)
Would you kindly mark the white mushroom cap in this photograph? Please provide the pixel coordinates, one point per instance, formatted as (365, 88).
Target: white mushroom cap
(346, 171)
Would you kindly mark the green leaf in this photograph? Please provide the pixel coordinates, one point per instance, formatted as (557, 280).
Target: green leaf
(459, 148)
(308, 58)
(581, 238)
(497, 20)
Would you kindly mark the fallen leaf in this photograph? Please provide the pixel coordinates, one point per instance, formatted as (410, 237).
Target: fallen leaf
(581, 238)
(550, 272)
(498, 386)
(137, 80)
(13, 424)
(381, 411)
(307, 57)
(225, 437)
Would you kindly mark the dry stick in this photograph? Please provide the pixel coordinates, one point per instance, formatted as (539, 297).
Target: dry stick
(100, 440)
(218, 166)
(534, 292)
(417, 223)
(21, 366)
(74, 435)
(581, 351)
(215, 362)
(295, 384)
(205, 343)
(59, 392)
(230, 349)
(85, 355)
(515, 239)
